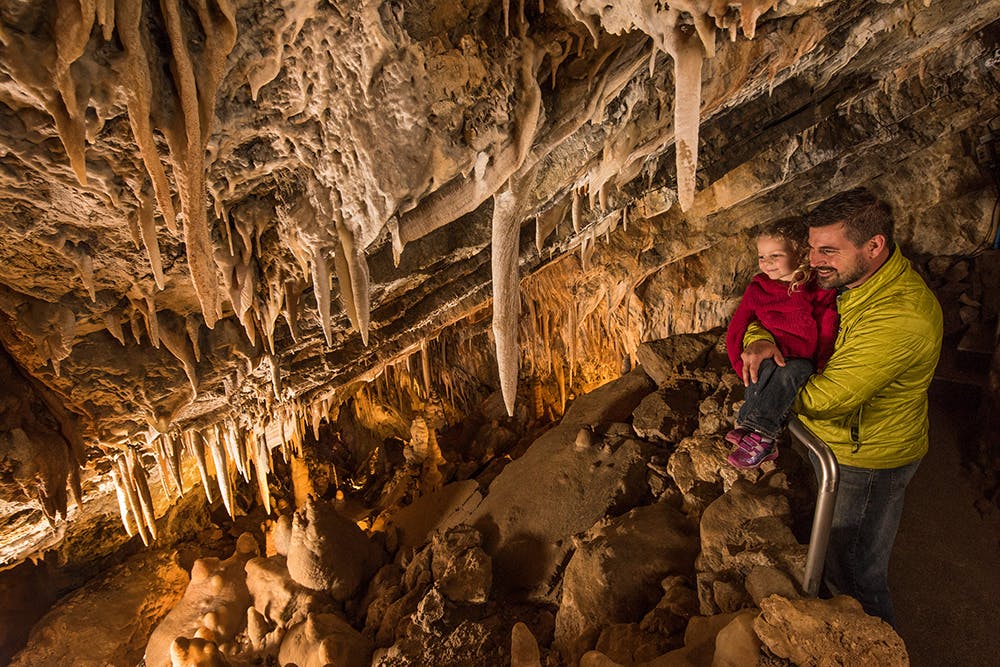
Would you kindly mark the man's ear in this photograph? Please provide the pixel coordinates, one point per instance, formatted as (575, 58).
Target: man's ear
(876, 245)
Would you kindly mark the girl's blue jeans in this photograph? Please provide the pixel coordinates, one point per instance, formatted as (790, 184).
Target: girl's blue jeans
(769, 400)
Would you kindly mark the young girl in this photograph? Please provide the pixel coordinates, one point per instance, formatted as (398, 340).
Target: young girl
(784, 299)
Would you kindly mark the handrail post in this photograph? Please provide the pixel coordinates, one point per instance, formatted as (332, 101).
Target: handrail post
(826, 498)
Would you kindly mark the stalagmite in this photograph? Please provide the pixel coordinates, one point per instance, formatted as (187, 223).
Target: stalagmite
(196, 447)
(321, 289)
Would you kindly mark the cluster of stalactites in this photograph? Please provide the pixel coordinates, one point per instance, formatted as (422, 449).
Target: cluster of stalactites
(686, 30)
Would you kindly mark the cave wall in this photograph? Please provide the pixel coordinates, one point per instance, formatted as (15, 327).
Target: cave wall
(222, 219)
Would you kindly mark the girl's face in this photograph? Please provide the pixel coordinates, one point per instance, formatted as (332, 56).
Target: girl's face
(774, 259)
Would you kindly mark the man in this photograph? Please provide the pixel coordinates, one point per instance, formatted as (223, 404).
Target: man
(870, 402)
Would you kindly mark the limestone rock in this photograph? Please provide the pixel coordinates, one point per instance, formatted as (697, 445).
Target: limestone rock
(669, 414)
(461, 569)
(213, 606)
(553, 491)
(828, 632)
(196, 652)
(750, 525)
(700, 470)
(328, 552)
(108, 620)
(324, 639)
(613, 575)
(433, 511)
(277, 596)
(667, 358)
(736, 645)
(523, 647)
(611, 402)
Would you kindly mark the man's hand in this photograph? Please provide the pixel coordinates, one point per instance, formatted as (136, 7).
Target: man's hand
(755, 353)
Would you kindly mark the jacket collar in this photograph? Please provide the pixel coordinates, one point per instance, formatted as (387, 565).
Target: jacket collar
(894, 267)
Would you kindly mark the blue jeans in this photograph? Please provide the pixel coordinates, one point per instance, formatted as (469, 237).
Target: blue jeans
(769, 400)
(865, 519)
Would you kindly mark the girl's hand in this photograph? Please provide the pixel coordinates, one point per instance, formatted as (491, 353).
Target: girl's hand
(755, 353)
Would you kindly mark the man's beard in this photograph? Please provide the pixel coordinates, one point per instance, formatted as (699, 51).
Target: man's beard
(834, 279)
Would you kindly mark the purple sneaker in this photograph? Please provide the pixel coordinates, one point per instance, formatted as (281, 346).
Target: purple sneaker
(737, 434)
(752, 450)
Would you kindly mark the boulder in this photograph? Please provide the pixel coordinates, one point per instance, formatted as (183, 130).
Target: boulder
(664, 359)
(614, 574)
(699, 468)
(277, 596)
(828, 632)
(433, 511)
(213, 606)
(611, 402)
(461, 569)
(328, 552)
(109, 619)
(324, 639)
(562, 485)
(669, 414)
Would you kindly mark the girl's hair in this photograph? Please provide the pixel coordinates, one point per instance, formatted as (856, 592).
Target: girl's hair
(794, 233)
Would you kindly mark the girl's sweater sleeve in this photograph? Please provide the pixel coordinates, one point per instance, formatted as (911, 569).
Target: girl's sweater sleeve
(744, 315)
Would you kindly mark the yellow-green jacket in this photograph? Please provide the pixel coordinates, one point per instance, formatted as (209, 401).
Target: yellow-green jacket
(870, 401)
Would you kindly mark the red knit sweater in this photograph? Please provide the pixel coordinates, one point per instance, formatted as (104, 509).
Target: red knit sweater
(804, 323)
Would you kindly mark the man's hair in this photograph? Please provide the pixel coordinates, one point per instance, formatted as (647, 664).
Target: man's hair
(864, 215)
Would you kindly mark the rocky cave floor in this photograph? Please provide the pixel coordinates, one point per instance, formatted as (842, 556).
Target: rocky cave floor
(619, 536)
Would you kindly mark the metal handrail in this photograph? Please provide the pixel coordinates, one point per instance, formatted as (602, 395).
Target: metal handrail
(826, 498)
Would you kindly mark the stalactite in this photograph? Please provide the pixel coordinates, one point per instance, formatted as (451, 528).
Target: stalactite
(217, 449)
(425, 367)
(196, 97)
(576, 208)
(147, 227)
(262, 466)
(138, 475)
(172, 448)
(123, 508)
(321, 288)
(196, 448)
(506, 296)
(138, 90)
(114, 326)
(352, 278)
(193, 327)
(132, 499)
(688, 53)
(275, 367)
(174, 336)
(156, 445)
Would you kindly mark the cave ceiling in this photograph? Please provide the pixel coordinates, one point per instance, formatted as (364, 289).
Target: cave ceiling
(215, 209)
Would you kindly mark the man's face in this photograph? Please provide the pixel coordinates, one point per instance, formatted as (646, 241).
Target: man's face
(836, 260)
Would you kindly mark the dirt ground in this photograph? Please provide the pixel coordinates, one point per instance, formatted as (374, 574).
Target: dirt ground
(945, 572)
